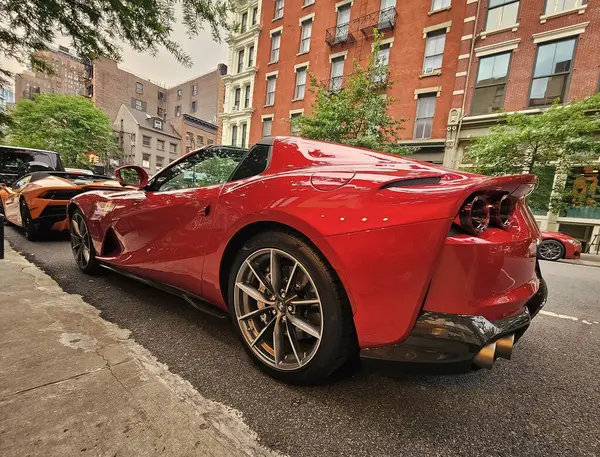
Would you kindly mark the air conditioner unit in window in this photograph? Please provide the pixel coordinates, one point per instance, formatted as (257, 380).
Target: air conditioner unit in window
(235, 108)
(428, 71)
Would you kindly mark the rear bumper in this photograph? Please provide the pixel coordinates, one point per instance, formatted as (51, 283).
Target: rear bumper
(453, 339)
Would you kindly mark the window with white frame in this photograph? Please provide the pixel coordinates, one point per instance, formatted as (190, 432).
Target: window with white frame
(490, 85)
(158, 124)
(271, 82)
(501, 14)
(305, 34)
(244, 24)
(300, 86)
(200, 140)
(160, 145)
(439, 4)
(243, 138)
(337, 73)
(425, 113)
(275, 44)
(308, 2)
(160, 163)
(254, 15)
(146, 160)
(234, 133)
(177, 111)
(342, 23)
(278, 9)
(172, 148)
(558, 6)
(247, 97)
(552, 72)
(294, 128)
(139, 88)
(434, 51)
(267, 126)
(146, 141)
(240, 62)
(250, 56)
(236, 98)
(382, 59)
(194, 89)
(194, 106)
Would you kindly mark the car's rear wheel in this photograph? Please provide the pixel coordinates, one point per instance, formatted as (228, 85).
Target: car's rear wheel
(290, 309)
(551, 250)
(81, 244)
(32, 232)
(3, 211)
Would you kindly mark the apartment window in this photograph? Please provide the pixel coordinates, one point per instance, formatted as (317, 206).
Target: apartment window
(200, 140)
(209, 141)
(139, 88)
(160, 111)
(172, 148)
(254, 16)
(294, 129)
(250, 56)
(160, 145)
(247, 97)
(271, 81)
(158, 124)
(434, 51)
(244, 22)
(275, 44)
(308, 2)
(305, 35)
(177, 111)
(337, 72)
(382, 59)
(139, 105)
(278, 9)
(425, 112)
(300, 83)
(189, 139)
(240, 62)
(234, 133)
(146, 141)
(501, 14)
(195, 89)
(267, 126)
(557, 6)
(552, 72)
(243, 138)
(159, 163)
(490, 85)
(439, 4)
(236, 99)
(146, 160)
(193, 107)
(178, 94)
(161, 95)
(342, 24)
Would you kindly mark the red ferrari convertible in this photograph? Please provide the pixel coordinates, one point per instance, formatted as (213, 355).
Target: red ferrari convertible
(319, 251)
(556, 246)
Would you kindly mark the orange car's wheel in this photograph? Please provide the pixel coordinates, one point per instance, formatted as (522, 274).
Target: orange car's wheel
(4, 219)
(31, 231)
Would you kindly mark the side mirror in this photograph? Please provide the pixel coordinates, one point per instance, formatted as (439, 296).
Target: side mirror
(132, 175)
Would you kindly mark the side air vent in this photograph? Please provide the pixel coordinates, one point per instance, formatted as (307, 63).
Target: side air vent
(413, 182)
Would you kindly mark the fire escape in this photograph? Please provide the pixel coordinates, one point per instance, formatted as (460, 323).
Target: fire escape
(381, 20)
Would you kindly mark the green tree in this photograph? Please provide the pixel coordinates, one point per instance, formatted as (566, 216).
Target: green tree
(553, 141)
(357, 113)
(96, 26)
(67, 124)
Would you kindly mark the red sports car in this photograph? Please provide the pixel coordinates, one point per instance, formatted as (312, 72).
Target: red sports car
(555, 246)
(319, 251)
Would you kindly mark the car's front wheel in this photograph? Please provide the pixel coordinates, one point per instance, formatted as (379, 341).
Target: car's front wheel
(290, 309)
(551, 250)
(81, 244)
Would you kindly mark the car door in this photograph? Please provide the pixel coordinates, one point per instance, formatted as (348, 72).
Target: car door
(13, 195)
(164, 229)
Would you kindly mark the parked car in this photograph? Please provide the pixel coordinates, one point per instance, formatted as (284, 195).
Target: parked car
(555, 246)
(319, 252)
(17, 161)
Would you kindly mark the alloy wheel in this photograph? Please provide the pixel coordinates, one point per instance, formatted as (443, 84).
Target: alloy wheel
(81, 242)
(550, 250)
(278, 309)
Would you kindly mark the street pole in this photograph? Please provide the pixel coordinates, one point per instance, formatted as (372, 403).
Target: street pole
(1, 233)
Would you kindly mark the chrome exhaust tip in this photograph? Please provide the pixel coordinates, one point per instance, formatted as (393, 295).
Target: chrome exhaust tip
(485, 357)
(504, 346)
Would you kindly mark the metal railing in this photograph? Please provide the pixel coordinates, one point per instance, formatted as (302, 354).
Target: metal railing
(346, 33)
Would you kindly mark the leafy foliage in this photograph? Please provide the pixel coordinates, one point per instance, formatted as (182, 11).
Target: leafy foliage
(357, 114)
(67, 124)
(558, 139)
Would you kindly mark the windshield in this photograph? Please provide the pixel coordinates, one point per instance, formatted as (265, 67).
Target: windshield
(12, 161)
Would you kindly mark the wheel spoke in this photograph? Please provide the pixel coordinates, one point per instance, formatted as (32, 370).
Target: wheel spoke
(311, 301)
(278, 339)
(254, 313)
(253, 293)
(86, 253)
(76, 227)
(260, 278)
(262, 332)
(304, 325)
(293, 341)
(292, 278)
(275, 272)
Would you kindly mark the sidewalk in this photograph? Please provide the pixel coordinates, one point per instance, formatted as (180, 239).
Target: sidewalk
(74, 384)
(590, 260)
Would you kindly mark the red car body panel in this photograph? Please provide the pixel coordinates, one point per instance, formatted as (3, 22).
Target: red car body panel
(572, 251)
(390, 246)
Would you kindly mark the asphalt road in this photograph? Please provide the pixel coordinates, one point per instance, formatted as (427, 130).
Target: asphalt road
(544, 402)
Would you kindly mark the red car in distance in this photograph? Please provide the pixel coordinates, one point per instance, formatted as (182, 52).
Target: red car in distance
(556, 246)
(319, 252)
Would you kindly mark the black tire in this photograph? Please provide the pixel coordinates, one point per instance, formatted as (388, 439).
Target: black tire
(80, 241)
(4, 219)
(32, 232)
(551, 250)
(338, 342)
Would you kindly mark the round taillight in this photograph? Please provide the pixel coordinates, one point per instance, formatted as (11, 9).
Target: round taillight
(503, 210)
(475, 215)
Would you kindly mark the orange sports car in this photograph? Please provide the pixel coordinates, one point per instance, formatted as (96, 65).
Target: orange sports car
(38, 201)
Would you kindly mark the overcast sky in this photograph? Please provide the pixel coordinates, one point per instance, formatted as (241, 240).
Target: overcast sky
(163, 68)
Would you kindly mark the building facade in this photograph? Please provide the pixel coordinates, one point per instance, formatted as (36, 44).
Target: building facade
(147, 141)
(239, 82)
(68, 76)
(194, 132)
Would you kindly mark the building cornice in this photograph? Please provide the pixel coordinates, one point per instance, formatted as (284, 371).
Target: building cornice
(229, 79)
(252, 31)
